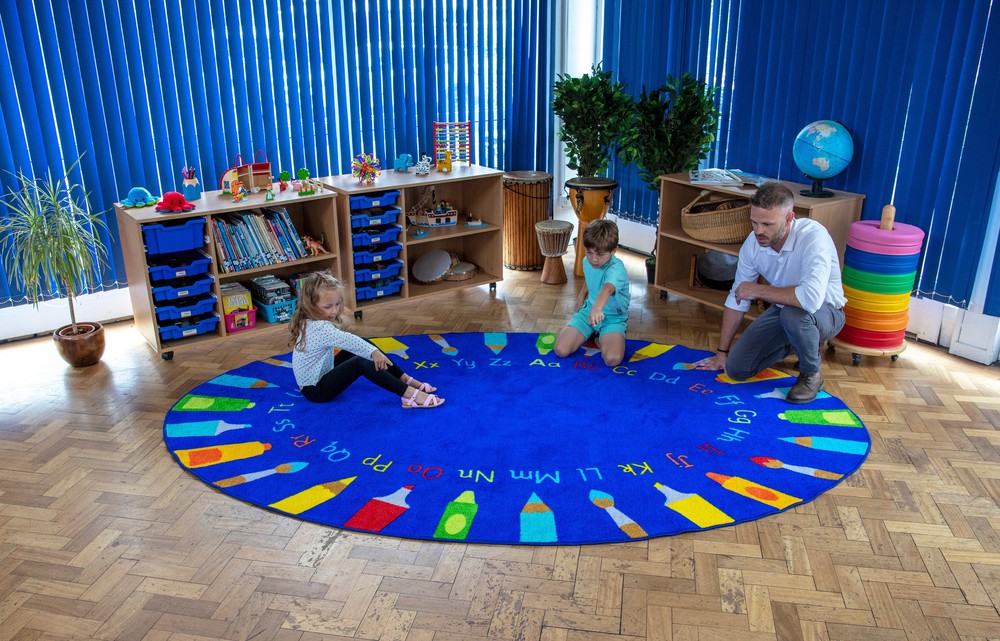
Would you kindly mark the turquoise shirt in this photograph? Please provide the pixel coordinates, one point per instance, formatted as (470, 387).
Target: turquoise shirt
(613, 272)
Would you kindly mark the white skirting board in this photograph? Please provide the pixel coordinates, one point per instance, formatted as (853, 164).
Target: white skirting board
(965, 333)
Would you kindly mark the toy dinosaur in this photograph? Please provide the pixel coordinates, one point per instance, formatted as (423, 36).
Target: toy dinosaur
(313, 246)
(138, 197)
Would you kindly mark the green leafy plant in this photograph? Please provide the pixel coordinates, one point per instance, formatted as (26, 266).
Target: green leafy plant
(49, 241)
(672, 128)
(595, 113)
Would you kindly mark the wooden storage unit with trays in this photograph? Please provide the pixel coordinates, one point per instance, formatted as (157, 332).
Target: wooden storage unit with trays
(179, 274)
(380, 251)
(675, 246)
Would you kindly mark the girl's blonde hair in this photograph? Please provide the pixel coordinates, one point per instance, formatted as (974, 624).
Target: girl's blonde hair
(314, 285)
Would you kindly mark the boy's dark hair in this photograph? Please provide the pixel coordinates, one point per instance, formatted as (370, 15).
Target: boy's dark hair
(602, 235)
(773, 194)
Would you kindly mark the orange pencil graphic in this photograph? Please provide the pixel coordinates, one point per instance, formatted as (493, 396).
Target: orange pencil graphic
(313, 496)
(215, 454)
(755, 491)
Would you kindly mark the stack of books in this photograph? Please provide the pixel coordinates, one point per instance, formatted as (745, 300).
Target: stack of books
(256, 238)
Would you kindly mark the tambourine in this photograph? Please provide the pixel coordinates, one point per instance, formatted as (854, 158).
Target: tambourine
(461, 271)
(433, 266)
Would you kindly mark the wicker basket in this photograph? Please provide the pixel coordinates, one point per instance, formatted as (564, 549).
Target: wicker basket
(717, 221)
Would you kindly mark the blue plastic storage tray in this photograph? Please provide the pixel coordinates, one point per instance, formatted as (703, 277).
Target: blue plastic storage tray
(190, 263)
(363, 273)
(164, 239)
(182, 289)
(384, 199)
(377, 254)
(278, 312)
(376, 236)
(380, 290)
(196, 308)
(188, 327)
(375, 216)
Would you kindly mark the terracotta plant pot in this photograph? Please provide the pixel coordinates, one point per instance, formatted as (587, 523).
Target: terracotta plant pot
(83, 349)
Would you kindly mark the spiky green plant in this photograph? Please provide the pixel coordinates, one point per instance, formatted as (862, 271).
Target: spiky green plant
(49, 241)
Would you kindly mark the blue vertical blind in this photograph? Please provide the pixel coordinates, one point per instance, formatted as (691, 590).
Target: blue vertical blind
(145, 88)
(916, 82)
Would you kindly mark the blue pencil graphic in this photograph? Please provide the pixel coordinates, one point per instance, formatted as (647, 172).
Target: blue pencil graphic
(828, 444)
(538, 523)
(245, 382)
(202, 428)
(496, 341)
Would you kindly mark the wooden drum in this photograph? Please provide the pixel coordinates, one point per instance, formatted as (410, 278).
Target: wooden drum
(591, 200)
(527, 199)
(553, 241)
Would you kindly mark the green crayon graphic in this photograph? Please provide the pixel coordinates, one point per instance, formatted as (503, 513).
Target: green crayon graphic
(838, 418)
(545, 343)
(199, 403)
(456, 521)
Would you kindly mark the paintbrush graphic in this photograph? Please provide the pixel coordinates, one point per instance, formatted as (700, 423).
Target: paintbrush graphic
(606, 502)
(775, 464)
(284, 468)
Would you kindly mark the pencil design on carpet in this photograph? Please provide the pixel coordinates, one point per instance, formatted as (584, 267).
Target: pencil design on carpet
(380, 511)
(693, 507)
(313, 496)
(215, 454)
(837, 418)
(828, 444)
(445, 347)
(782, 392)
(391, 346)
(277, 362)
(683, 365)
(590, 348)
(538, 523)
(755, 491)
(199, 403)
(284, 468)
(650, 351)
(775, 464)
(235, 380)
(606, 502)
(496, 341)
(456, 520)
(545, 343)
(760, 376)
(202, 428)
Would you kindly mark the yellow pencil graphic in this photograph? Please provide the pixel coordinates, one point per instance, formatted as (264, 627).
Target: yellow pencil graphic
(214, 454)
(313, 496)
(755, 491)
(693, 507)
(650, 351)
(760, 376)
(391, 346)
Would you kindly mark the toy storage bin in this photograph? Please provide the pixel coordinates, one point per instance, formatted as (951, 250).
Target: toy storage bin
(165, 238)
(188, 327)
(182, 289)
(375, 216)
(377, 254)
(379, 289)
(278, 312)
(376, 235)
(377, 270)
(240, 320)
(195, 308)
(384, 199)
(189, 263)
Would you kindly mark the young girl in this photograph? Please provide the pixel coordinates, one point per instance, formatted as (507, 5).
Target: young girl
(321, 376)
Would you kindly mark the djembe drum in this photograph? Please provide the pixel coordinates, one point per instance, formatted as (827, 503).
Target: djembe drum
(591, 200)
(527, 199)
(553, 240)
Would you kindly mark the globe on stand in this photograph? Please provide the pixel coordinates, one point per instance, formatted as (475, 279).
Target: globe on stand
(822, 150)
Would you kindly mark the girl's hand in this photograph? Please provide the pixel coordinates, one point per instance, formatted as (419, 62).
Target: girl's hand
(381, 361)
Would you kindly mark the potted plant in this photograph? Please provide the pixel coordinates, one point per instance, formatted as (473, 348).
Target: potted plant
(595, 113)
(49, 242)
(672, 128)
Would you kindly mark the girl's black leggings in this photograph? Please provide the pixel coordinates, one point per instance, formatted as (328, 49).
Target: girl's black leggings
(347, 368)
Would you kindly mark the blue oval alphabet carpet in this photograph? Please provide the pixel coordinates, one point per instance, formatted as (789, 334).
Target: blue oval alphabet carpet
(529, 448)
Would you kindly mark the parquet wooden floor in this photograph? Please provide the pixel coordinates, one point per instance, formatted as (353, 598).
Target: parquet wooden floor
(103, 536)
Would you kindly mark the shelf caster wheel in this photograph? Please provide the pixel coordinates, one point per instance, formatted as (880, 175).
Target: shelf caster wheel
(830, 346)
(856, 359)
(358, 314)
(663, 295)
(894, 358)
(493, 288)
(167, 356)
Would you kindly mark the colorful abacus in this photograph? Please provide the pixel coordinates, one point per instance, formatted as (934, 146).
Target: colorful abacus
(880, 267)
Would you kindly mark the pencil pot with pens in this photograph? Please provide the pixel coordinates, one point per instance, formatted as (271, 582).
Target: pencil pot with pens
(190, 187)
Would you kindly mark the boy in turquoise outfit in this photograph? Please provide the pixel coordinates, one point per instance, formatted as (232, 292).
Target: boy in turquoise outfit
(603, 301)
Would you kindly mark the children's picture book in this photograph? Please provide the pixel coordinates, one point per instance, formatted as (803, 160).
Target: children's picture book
(714, 177)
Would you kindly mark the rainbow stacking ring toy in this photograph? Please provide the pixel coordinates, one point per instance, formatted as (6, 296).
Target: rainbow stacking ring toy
(880, 268)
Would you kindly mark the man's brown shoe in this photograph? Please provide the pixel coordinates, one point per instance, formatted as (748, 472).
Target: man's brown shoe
(805, 389)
